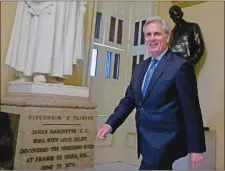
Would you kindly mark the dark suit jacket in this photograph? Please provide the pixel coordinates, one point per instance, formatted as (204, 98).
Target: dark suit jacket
(168, 120)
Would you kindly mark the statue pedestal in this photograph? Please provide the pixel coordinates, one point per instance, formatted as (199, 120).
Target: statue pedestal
(48, 131)
(48, 89)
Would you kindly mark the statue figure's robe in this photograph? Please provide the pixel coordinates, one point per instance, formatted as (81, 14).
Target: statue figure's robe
(47, 37)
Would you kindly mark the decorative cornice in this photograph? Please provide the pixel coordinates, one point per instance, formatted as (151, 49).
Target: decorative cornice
(154, 8)
(40, 100)
(184, 4)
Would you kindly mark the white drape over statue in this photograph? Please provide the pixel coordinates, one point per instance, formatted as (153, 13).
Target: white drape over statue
(47, 38)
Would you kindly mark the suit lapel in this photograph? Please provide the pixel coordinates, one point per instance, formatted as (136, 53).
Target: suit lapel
(142, 74)
(157, 73)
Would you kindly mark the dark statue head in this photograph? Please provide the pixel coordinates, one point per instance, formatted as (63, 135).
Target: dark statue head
(176, 14)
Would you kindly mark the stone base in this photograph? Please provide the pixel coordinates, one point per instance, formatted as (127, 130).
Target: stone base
(45, 88)
(47, 132)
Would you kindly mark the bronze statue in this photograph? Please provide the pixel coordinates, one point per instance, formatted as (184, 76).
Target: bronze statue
(186, 37)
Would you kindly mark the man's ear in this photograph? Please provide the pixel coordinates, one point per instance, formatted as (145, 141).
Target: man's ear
(168, 37)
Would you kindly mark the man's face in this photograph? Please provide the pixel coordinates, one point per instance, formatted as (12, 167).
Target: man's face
(176, 16)
(155, 39)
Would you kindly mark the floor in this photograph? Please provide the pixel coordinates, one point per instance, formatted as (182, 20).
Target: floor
(115, 166)
(178, 165)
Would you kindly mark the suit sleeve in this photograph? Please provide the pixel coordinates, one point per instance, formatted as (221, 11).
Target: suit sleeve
(122, 111)
(186, 84)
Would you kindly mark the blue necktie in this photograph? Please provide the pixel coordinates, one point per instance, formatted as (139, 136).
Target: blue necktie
(148, 76)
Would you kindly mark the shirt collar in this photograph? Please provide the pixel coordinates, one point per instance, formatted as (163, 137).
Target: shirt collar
(161, 55)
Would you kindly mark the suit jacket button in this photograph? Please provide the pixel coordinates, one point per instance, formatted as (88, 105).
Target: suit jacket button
(142, 108)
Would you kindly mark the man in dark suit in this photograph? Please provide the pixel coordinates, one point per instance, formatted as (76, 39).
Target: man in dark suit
(163, 90)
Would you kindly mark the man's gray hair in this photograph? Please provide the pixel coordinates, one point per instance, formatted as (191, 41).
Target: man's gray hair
(157, 19)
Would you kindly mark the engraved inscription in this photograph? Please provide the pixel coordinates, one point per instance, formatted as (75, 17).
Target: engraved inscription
(58, 142)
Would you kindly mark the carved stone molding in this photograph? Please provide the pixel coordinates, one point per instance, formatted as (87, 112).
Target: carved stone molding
(41, 100)
(111, 144)
(47, 89)
(154, 8)
(130, 136)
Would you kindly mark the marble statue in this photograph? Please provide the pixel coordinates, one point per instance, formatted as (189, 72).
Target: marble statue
(46, 39)
(186, 37)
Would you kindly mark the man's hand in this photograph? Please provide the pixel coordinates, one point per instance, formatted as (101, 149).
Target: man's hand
(103, 131)
(196, 160)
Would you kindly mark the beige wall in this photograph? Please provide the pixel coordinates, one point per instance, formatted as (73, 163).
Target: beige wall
(210, 17)
(163, 8)
(8, 10)
(210, 70)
